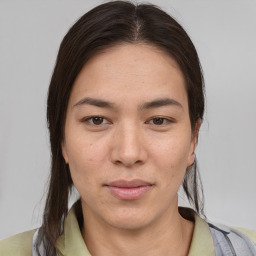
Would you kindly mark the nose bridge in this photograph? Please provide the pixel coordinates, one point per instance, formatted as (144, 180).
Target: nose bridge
(128, 146)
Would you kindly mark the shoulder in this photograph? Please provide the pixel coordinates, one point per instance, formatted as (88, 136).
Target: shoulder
(233, 241)
(250, 233)
(18, 245)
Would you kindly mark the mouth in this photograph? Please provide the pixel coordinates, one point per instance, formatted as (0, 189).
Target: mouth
(129, 190)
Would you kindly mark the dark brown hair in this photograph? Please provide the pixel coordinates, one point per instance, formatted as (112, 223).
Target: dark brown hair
(104, 26)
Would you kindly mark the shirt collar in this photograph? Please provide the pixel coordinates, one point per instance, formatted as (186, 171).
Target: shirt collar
(72, 243)
(202, 243)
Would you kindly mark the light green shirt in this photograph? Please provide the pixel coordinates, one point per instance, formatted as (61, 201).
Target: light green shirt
(71, 243)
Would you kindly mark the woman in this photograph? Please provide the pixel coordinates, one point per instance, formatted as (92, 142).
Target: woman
(125, 105)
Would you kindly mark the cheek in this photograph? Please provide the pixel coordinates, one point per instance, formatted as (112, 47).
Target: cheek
(172, 152)
(85, 162)
(170, 159)
(84, 165)
(85, 151)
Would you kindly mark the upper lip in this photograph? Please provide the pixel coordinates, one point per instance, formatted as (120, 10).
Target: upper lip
(129, 183)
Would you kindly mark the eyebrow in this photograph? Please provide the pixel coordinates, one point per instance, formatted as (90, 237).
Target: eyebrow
(95, 102)
(160, 103)
(147, 105)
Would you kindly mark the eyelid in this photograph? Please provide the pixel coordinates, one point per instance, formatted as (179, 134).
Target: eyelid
(87, 120)
(166, 119)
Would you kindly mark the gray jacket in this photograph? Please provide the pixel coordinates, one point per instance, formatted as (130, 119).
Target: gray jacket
(231, 242)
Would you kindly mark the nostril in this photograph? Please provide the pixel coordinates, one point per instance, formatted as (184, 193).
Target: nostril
(138, 162)
(128, 163)
(118, 162)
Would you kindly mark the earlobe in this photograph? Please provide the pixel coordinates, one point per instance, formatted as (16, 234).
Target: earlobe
(196, 132)
(191, 159)
(194, 141)
(64, 153)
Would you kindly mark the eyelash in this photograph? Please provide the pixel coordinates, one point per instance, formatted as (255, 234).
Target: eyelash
(165, 120)
(91, 118)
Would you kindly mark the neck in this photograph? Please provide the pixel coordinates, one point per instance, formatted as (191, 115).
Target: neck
(169, 235)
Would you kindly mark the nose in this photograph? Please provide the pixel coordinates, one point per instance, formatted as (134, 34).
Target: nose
(128, 148)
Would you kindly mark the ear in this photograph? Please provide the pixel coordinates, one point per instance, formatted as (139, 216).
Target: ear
(64, 151)
(193, 143)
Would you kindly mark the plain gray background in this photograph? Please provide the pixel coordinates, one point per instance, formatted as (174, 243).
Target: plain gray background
(224, 33)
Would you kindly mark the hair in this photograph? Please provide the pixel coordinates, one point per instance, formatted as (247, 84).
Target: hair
(105, 26)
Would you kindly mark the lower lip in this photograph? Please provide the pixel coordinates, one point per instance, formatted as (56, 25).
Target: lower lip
(129, 193)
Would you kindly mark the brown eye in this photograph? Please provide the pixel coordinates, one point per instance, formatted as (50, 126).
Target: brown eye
(97, 120)
(158, 120)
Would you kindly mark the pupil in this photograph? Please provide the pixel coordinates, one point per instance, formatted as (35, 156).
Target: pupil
(97, 120)
(158, 120)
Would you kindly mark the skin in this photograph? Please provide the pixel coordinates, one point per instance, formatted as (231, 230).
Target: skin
(128, 143)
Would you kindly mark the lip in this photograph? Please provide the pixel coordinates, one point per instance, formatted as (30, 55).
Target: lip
(129, 190)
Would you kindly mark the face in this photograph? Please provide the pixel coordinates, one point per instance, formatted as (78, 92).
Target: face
(128, 138)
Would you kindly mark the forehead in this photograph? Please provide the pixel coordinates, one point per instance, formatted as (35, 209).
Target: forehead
(126, 71)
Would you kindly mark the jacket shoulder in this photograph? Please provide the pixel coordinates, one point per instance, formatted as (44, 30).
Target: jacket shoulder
(229, 241)
(250, 233)
(18, 245)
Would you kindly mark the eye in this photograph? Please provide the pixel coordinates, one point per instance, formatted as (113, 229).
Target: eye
(96, 120)
(160, 121)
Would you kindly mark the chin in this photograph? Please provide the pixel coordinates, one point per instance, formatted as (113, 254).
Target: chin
(129, 220)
